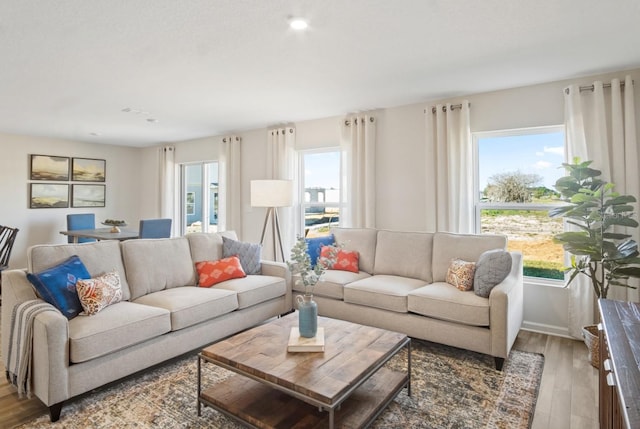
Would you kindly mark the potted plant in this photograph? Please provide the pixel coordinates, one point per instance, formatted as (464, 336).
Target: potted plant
(309, 276)
(607, 257)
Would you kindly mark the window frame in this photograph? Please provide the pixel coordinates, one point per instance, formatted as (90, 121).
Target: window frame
(480, 205)
(204, 189)
(303, 205)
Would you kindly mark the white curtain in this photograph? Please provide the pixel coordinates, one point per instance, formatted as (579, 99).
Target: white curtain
(601, 127)
(358, 146)
(229, 186)
(281, 166)
(449, 168)
(168, 184)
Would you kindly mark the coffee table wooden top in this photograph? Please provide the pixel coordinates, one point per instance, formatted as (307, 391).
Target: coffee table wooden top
(352, 353)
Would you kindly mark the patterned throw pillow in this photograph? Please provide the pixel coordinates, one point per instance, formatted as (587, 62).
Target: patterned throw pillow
(315, 244)
(345, 260)
(213, 272)
(248, 253)
(99, 292)
(492, 267)
(57, 285)
(460, 274)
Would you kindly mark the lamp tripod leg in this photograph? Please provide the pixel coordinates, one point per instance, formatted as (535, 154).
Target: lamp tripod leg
(277, 222)
(264, 227)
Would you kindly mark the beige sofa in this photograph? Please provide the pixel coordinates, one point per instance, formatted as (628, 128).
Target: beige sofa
(401, 286)
(162, 315)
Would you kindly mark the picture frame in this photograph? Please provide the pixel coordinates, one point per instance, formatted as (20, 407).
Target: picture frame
(88, 195)
(88, 170)
(48, 196)
(49, 167)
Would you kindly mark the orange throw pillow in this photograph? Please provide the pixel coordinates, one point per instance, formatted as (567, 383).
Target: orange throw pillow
(345, 260)
(213, 272)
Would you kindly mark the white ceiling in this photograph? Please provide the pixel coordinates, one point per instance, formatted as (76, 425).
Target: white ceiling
(210, 67)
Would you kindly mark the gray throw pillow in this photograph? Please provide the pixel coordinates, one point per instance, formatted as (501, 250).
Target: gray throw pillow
(248, 253)
(492, 267)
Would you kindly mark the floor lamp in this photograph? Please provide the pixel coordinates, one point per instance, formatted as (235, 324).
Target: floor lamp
(272, 194)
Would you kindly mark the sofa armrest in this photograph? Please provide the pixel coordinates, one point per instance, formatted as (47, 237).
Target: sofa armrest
(507, 309)
(280, 269)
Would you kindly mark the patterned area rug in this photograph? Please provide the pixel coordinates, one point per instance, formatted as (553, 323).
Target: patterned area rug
(451, 388)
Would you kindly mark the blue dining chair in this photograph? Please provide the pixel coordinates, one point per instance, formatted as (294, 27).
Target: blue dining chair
(81, 221)
(155, 228)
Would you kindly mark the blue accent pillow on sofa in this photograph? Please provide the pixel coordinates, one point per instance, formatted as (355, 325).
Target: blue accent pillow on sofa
(315, 244)
(57, 285)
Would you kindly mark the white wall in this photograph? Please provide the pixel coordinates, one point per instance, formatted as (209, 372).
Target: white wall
(400, 179)
(43, 225)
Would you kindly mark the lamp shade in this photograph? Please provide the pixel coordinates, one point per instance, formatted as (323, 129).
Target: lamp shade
(271, 193)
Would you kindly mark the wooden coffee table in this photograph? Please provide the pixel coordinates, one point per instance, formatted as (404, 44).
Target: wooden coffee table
(347, 385)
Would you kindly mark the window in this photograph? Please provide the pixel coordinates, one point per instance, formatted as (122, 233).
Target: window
(320, 199)
(199, 184)
(516, 174)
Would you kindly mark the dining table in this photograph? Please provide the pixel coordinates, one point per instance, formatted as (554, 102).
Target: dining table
(102, 234)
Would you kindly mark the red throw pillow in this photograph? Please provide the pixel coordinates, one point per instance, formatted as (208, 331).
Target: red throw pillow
(213, 272)
(345, 260)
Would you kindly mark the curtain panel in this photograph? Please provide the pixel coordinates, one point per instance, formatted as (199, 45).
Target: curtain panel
(449, 168)
(358, 147)
(168, 184)
(230, 186)
(281, 166)
(600, 125)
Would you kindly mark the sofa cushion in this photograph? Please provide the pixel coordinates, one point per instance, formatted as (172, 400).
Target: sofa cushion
(191, 305)
(460, 274)
(492, 268)
(331, 284)
(253, 290)
(443, 301)
(362, 240)
(57, 285)
(157, 264)
(405, 254)
(99, 257)
(385, 292)
(114, 328)
(213, 272)
(248, 253)
(469, 247)
(207, 246)
(99, 292)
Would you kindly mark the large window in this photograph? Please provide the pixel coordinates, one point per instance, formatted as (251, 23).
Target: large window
(320, 199)
(516, 174)
(199, 208)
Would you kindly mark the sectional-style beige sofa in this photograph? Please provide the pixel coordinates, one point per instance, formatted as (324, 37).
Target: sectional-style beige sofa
(162, 314)
(401, 286)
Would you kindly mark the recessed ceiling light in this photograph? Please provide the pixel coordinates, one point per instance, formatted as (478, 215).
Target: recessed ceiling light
(154, 120)
(94, 134)
(298, 24)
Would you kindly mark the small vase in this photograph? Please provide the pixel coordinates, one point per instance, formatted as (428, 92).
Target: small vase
(307, 315)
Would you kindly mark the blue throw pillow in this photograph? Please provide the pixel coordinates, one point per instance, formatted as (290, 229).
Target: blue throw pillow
(57, 285)
(314, 245)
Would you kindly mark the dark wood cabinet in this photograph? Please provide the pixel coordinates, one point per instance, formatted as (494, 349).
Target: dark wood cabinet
(619, 381)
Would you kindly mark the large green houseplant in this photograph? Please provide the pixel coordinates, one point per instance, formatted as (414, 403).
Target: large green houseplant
(607, 257)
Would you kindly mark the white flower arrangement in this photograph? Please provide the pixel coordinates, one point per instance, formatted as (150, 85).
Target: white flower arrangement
(301, 264)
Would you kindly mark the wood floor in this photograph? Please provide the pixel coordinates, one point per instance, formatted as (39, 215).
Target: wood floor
(568, 397)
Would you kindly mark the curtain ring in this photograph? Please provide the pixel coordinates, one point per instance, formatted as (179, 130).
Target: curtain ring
(290, 130)
(371, 119)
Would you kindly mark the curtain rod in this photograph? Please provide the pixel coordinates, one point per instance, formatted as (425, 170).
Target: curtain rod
(444, 108)
(592, 87)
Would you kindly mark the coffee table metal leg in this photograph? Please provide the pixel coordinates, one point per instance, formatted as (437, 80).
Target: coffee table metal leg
(199, 387)
(331, 415)
(409, 369)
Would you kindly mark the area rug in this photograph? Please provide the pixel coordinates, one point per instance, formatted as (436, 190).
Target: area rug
(451, 388)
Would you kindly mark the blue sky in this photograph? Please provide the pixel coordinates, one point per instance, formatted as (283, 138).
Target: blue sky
(541, 154)
(322, 170)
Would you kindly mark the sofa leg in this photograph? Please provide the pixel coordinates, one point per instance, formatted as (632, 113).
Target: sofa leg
(54, 411)
(499, 363)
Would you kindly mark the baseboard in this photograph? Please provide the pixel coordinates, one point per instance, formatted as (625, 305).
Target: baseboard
(558, 331)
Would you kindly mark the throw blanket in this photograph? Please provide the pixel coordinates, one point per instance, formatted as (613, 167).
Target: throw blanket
(21, 343)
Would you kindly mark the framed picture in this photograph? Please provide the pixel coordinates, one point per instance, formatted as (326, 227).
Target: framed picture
(46, 167)
(88, 170)
(48, 196)
(87, 195)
